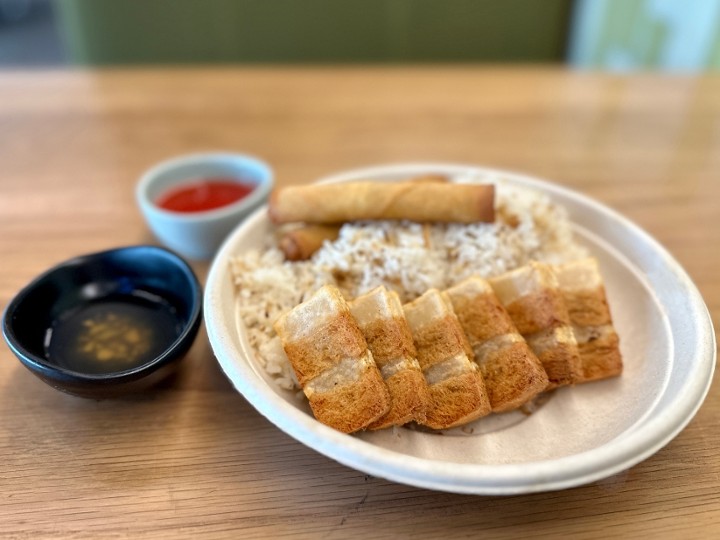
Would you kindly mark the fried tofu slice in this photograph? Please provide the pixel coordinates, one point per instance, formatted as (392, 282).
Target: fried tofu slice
(584, 292)
(513, 374)
(531, 295)
(332, 363)
(380, 316)
(456, 387)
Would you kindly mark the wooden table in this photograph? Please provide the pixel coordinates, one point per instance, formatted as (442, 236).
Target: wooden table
(193, 458)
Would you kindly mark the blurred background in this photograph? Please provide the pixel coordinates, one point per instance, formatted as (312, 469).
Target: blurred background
(615, 35)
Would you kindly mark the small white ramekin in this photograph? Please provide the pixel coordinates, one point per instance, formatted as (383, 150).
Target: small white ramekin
(197, 235)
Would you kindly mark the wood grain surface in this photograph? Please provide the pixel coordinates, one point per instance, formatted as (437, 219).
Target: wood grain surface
(192, 459)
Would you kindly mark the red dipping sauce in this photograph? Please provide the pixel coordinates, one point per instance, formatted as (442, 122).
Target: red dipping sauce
(202, 195)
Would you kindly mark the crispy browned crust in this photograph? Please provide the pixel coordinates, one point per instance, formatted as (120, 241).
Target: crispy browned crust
(562, 364)
(587, 307)
(544, 310)
(440, 340)
(601, 358)
(538, 311)
(354, 406)
(457, 400)
(461, 397)
(359, 398)
(599, 345)
(409, 398)
(513, 376)
(337, 338)
(482, 317)
(389, 339)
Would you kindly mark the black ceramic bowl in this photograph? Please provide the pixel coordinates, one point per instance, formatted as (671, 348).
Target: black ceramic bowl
(108, 323)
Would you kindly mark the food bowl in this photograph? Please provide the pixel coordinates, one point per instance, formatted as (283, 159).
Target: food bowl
(196, 233)
(108, 323)
(579, 435)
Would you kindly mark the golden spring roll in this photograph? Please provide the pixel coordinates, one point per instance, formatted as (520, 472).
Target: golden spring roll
(444, 202)
(299, 244)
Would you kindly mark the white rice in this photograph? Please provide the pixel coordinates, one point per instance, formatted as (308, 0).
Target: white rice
(406, 257)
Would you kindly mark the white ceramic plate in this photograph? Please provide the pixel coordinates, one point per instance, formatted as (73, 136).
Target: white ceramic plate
(580, 434)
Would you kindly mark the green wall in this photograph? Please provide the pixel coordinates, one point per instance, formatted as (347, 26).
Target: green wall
(177, 31)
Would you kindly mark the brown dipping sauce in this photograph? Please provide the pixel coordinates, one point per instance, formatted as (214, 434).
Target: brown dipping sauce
(114, 333)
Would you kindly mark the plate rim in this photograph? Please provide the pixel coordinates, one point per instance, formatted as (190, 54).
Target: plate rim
(500, 479)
